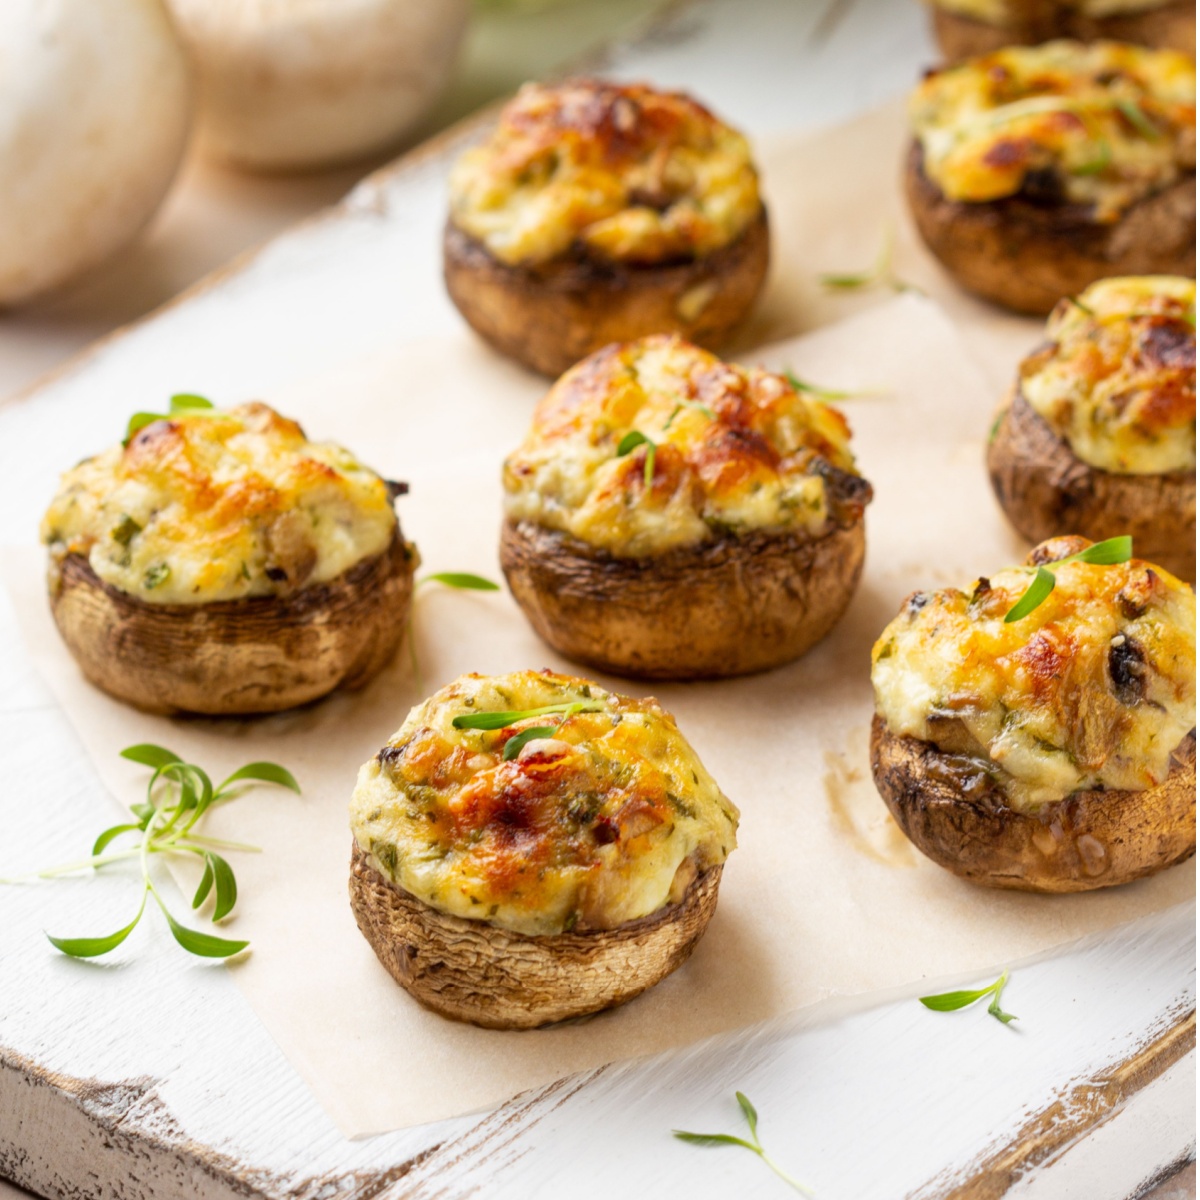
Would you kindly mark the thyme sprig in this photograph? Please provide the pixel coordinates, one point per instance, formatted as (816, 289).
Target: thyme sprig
(181, 402)
(177, 797)
(754, 1145)
(881, 274)
(1108, 553)
(951, 1001)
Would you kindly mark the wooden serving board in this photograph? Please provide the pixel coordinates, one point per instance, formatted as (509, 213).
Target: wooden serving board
(154, 1079)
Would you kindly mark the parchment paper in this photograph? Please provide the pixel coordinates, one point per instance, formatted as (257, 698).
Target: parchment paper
(823, 898)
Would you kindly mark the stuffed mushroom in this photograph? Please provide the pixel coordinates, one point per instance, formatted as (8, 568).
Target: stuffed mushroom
(1098, 436)
(530, 847)
(1044, 746)
(965, 28)
(600, 212)
(1035, 171)
(672, 516)
(219, 562)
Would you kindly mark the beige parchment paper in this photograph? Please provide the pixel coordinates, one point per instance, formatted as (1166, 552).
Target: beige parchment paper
(824, 898)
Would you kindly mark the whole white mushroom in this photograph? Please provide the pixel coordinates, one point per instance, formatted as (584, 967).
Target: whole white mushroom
(95, 107)
(288, 84)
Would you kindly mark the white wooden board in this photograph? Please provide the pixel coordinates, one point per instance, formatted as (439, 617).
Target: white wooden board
(155, 1080)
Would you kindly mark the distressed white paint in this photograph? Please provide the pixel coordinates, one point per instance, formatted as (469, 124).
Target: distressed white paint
(877, 1103)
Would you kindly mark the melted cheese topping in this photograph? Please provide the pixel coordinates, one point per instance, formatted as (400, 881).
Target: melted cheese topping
(1102, 125)
(1013, 13)
(605, 818)
(735, 450)
(220, 506)
(1094, 688)
(618, 173)
(1117, 378)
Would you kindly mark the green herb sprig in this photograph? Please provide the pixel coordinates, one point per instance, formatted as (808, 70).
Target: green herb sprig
(177, 797)
(753, 1145)
(463, 581)
(1104, 554)
(694, 405)
(630, 442)
(811, 389)
(181, 402)
(950, 1001)
(502, 720)
(881, 274)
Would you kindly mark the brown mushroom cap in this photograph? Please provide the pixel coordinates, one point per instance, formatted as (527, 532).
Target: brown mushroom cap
(1170, 26)
(1027, 256)
(1046, 491)
(549, 317)
(476, 972)
(957, 817)
(235, 657)
(727, 607)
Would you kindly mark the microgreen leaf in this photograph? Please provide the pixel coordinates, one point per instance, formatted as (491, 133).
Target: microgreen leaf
(1105, 554)
(95, 946)
(515, 743)
(882, 274)
(685, 404)
(1039, 588)
(188, 401)
(461, 579)
(205, 886)
(225, 883)
(1079, 304)
(751, 1113)
(203, 945)
(501, 720)
(811, 388)
(1136, 116)
(115, 831)
(754, 1146)
(264, 772)
(150, 755)
(951, 1001)
(139, 420)
(847, 282)
(630, 442)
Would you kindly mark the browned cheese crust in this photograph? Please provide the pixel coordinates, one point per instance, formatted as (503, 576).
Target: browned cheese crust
(1027, 256)
(1046, 490)
(1168, 27)
(475, 972)
(235, 657)
(549, 317)
(726, 607)
(1093, 839)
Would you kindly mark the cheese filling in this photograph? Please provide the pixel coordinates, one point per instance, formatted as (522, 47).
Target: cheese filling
(604, 816)
(722, 450)
(1094, 688)
(220, 505)
(1117, 377)
(1012, 13)
(1101, 126)
(618, 173)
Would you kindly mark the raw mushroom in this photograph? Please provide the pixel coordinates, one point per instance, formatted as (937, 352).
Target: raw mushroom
(95, 106)
(304, 83)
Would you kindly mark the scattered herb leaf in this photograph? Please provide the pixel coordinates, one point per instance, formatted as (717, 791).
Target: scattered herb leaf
(177, 796)
(461, 579)
(1136, 116)
(684, 404)
(629, 443)
(951, 1001)
(802, 385)
(754, 1145)
(1079, 304)
(181, 402)
(1108, 553)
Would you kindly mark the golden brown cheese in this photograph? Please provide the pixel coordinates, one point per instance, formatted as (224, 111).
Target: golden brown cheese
(1009, 13)
(1101, 126)
(620, 173)
(734, 450)
(1117, 377)
(220, 505)
(605, 816)
(1094, 688)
